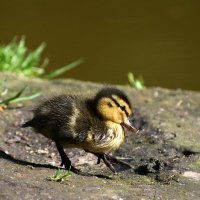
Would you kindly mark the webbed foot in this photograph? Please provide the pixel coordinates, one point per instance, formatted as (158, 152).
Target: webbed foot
(110, 160)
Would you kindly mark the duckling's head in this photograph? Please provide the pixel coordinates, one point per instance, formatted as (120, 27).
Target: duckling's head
(112, 104)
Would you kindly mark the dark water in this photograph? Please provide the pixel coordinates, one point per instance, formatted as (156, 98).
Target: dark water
(159, 40)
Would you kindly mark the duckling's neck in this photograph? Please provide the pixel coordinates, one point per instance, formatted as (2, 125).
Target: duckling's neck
(115, 127)
(116, 134)
(105, 141)
(92, 108)
(111, 124)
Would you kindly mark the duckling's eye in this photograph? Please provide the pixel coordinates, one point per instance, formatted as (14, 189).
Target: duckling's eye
(109, 104)
(123, 108)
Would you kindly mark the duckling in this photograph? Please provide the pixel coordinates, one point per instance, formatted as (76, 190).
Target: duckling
(94, 124)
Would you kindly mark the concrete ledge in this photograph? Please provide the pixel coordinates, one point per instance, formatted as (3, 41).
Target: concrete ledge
(165, 153)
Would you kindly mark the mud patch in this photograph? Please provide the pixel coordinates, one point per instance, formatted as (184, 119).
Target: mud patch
(153, 166)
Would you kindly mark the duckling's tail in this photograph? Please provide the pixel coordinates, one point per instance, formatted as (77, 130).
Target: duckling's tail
(27, 124)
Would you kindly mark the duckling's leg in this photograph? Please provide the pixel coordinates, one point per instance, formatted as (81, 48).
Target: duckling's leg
(98, 160)
(64, 159)
(107, 163)
(98, 157)
(119, 162)
(67, 163)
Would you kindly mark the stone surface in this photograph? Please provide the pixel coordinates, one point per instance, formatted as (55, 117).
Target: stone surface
(165, 153)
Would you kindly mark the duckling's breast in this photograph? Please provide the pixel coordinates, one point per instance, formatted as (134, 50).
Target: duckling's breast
(105, 141)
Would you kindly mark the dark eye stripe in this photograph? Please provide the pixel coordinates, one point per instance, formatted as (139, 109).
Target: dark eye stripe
(126, 113)
(123, 108)
(116, 103)
(109, 104)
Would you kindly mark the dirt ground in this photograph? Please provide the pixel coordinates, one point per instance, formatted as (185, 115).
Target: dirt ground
(165, 153)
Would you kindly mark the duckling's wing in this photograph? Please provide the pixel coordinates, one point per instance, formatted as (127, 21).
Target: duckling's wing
(63, 118)
(79, 122)
(51, 114)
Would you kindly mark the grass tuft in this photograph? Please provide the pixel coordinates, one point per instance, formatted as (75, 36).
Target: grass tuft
(4, 100)
(16, 57)
(60, 175)
(137, 83)
(62, 70)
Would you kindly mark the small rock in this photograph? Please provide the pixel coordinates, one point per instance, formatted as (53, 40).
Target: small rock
(27, 147)
(7, 152)
(178, 104)
(191, 174)
(43, 151)
(155, 94)
(169, 135)
(12, 140)
(18, 133)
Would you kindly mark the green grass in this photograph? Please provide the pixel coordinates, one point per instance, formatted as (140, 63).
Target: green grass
(137, 83)
(6, 99)
(17, 58)
(60, 175)
(62, 70)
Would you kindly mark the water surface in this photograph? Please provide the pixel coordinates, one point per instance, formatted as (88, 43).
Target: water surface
(159, 40)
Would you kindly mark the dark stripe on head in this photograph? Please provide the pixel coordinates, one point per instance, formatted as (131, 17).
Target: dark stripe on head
(126, 113)
(109, 92)
(117, 104)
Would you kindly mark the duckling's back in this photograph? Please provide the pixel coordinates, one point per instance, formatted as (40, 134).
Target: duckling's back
(67, 119)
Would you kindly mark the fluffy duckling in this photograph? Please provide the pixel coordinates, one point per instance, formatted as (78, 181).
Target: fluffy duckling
(93, 124)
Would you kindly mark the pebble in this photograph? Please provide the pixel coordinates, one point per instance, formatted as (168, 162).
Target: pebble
(43, 151)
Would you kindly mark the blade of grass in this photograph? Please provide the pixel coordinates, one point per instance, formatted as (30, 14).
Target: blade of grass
(32, 58)
(60, 175)
(137, 83)
(33, 96)
(5, 91)
(131, 78)
(56, 175)
(64, 69)
(6, 101)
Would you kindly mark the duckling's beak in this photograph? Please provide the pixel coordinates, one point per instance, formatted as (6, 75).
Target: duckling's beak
(128, 124)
